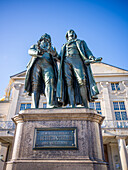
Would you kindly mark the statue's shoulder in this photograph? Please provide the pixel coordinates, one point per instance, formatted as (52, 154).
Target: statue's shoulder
(34, 46)
(80, 41)
(63, 46)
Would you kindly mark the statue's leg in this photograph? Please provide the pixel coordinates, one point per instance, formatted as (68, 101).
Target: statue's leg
(35, 99)
(80, 75)
(35, 85)
(83, 92)
(69, 81)
(49, 92)
(48, 75)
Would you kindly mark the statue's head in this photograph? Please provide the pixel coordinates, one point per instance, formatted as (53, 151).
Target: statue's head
(71, 35)
(44, 42)
(45, 37)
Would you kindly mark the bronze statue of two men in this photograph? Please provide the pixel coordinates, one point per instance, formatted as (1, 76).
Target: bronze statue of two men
(72, 83)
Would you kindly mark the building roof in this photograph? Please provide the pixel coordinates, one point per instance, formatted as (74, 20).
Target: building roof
(95, 68)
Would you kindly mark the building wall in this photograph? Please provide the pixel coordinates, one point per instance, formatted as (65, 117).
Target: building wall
(4, 108)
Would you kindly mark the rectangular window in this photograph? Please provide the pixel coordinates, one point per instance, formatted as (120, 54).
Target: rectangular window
(117, 115)
(120, 111)
(44, 105)
(116, 106)
(115, 86)
(24, 106)
(96, 106)
(91, 106)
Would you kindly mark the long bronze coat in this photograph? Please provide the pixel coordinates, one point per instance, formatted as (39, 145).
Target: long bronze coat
(28, 81)
(92, 89)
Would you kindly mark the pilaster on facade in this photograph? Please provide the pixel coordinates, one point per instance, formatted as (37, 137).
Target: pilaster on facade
(106, 100)
(14, 101)
(17, 143)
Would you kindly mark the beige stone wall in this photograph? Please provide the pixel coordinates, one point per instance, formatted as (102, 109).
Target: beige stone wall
(4, 107)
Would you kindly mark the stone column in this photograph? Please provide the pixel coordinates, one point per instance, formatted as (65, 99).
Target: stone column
(123, 152)
(106, 101)
(15, 95)
(3, 151)
(111, 165)
(114, 160)
(18, 136)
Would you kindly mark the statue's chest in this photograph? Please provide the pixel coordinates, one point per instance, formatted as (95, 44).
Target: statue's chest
(44, 59)
(71, 49)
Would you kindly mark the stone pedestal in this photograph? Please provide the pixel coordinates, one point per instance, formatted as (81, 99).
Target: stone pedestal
(89, 154)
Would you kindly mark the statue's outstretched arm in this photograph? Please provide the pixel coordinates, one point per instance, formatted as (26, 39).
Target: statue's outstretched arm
(91, 58)
(88, 52)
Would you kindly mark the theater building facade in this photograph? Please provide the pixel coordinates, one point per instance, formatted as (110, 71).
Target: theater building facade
(112, 103)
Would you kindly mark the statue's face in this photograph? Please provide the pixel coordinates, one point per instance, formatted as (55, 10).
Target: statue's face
(71, 35)
(44, 44)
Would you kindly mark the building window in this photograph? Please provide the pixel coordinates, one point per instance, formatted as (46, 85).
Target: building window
(44, 105)
(24, 106)
(96, 106)
(115, 86)
(120, 111)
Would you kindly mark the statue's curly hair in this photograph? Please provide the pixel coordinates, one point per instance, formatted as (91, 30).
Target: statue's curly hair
(47, 37)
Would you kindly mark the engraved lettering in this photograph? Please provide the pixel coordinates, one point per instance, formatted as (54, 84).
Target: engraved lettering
(55, 138)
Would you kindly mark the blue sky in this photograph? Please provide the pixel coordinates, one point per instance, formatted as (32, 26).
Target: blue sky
(103, 24)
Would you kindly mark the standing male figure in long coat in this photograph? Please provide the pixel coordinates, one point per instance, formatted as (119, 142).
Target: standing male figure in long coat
(76, 84)
(41, 75)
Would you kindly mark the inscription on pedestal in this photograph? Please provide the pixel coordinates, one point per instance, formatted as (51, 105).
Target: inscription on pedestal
(64, 138)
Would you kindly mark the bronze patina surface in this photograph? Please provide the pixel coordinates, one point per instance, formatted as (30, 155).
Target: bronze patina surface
(76, 84)
(41, 75)
(73, 84)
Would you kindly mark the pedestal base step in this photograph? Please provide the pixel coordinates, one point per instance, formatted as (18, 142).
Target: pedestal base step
(56, 165)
